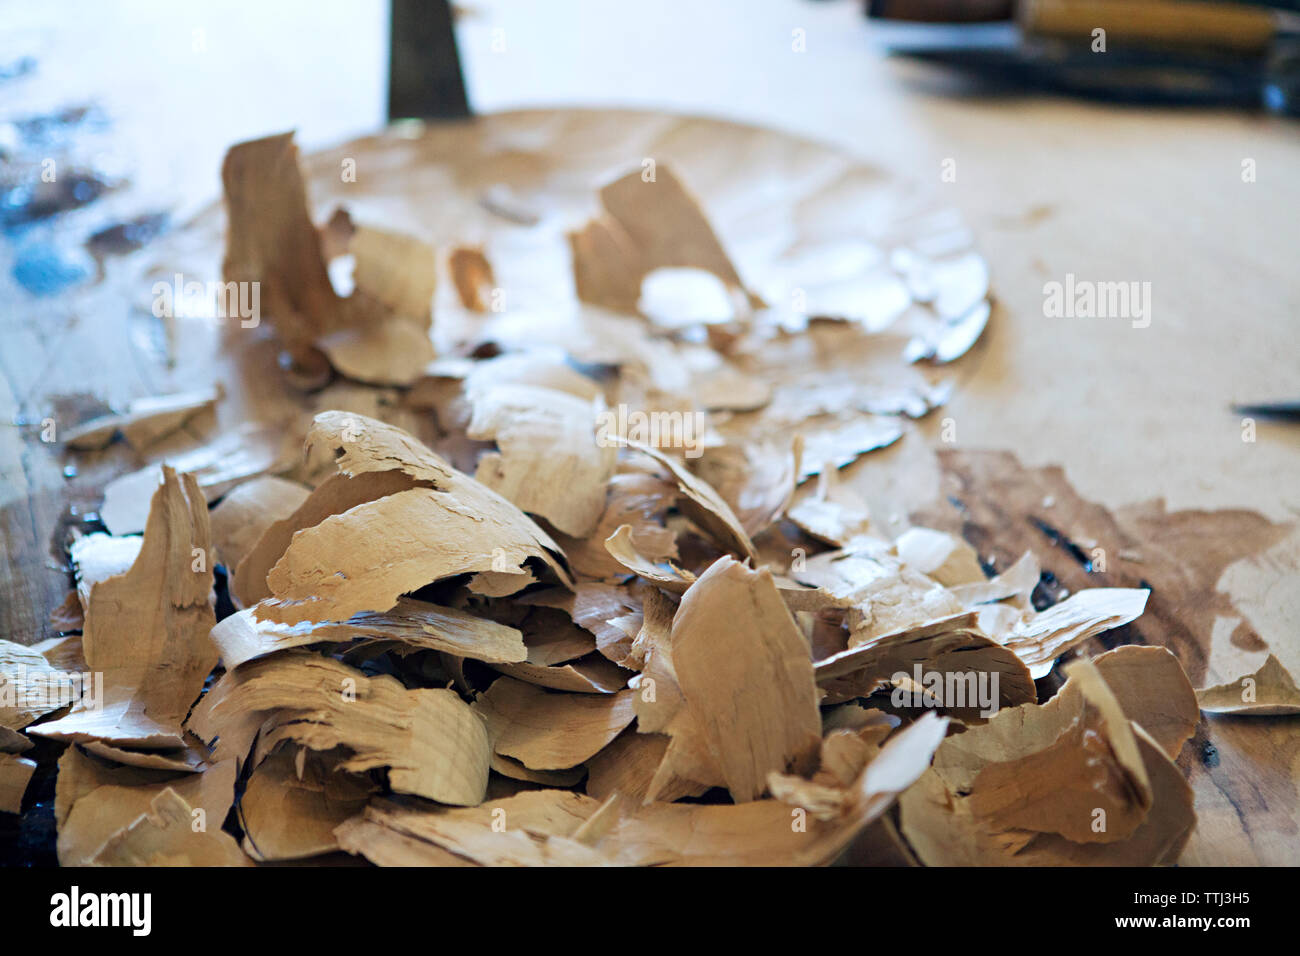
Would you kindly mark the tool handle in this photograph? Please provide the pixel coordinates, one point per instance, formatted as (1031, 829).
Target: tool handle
(1153, 22)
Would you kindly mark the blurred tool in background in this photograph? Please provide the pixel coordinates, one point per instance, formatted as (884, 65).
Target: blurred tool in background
(1152, 51)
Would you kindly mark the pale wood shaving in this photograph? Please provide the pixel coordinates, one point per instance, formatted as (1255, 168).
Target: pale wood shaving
(545, 730)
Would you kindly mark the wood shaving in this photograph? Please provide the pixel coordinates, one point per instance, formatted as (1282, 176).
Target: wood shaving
(145, 420)
(147, 630)
(432, 744)
(217, 467)
(647, 225)
(1267, 692)
(551, 731)
(15, 773)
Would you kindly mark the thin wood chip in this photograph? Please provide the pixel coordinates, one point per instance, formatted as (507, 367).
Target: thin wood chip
(545, 730)
(1267, 692)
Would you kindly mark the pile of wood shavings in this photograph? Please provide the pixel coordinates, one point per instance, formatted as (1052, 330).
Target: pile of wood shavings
(560, 638)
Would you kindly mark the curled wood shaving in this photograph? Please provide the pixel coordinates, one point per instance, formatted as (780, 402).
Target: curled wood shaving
(407, 539)
(430, 741)
(217, 466)
(832, 514)
(147, 629)
(702, 504)
(292, 803)
(97, 557)
(549, 461)
(95, 800)
(165, 835)
(942, 557)
(270, 239)
(551, 731)
(638, 500)
(243, 515)
(647, 225)
(530, 829)
(591, 675)
(335, 495)
(472, 275)
(749, 701)
(26, 678)
(663, 573)
(411, 623)
(1071, 782)
(1041, 638)
(1154, 692)
(952, 645)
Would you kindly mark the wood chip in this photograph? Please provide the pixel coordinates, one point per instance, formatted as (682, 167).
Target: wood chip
(548, 462)
(648, 224)
(1267, 692)
(545, 730)
(749, 701)
(411, 538)
(147, 629)
(244, 514)
(145, 420)
(431, 742)
(15, 773)
(413, 624)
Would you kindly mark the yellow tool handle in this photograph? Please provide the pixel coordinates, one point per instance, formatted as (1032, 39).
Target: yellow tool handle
(1157, 22)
